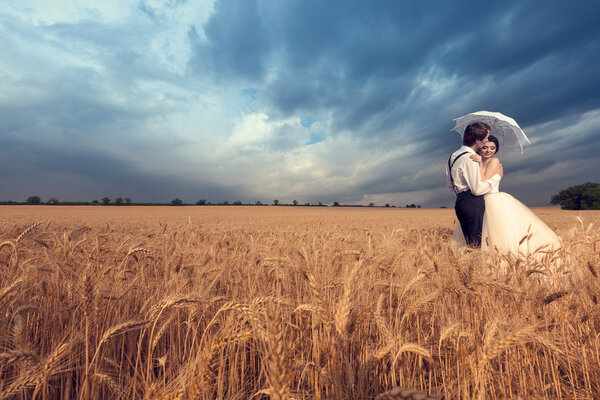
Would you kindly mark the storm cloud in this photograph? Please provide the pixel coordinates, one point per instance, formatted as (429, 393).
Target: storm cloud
(348, 101)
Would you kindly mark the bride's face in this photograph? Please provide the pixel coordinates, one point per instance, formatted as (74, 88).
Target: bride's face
(488, 150)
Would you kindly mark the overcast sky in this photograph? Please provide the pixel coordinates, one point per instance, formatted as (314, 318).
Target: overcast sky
(315, 101)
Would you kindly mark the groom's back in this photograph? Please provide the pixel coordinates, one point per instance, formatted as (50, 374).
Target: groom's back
(455, 170)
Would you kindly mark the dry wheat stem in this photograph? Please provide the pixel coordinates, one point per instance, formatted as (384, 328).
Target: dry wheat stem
(223, 314)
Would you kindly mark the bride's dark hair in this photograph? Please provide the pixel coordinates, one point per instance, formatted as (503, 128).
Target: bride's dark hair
(494, 140)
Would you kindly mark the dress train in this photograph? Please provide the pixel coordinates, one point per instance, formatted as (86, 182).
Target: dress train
(510, 227)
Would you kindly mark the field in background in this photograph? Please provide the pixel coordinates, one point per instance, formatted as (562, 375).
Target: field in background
(289, 302)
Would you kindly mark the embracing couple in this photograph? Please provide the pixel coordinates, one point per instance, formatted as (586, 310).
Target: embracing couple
(488, 218)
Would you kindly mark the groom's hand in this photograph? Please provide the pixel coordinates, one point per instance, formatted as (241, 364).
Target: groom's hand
(476, 157)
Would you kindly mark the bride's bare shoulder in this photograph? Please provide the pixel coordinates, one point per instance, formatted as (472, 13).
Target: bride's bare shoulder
(493, 161)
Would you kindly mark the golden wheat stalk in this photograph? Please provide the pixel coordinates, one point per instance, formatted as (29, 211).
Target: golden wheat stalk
(15, 356)
(159, 333)
(148, 253)
(26, 231)
(592, 269)
(53, 365)
(554, 296)
(117, 330)
(503, 343)
(173, 301)
(318, 297)
(5, 291)
(342, 313)
(8, 243)
(411, 348)
(109, 382)
(382, 325)
(25, 380)
(278, 374)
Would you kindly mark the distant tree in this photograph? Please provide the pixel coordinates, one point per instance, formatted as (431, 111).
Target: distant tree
(201, 202)
(52, 201)
(258, 203)
(418, 206)
(225, 203)
(275, 202)
(237, 203)
(118, 201)
(33, 200)
(105, 201)
(295, 202)
(387, 205)
(95, 202)
(307, 204)
(371, 204)
(127, 200)
(176, 202)
(320, 203)
(336, 204)
(580, 197)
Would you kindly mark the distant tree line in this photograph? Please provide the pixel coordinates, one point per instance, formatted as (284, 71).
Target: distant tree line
(579, 197)
(126, 201)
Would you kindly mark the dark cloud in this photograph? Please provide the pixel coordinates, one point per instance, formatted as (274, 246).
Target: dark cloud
(382, 80)
(362, 62)
(237, 42)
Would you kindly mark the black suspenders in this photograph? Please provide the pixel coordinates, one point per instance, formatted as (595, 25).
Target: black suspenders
(450, 169)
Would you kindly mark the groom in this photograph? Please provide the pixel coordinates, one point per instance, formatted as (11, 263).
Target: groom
(464, 179)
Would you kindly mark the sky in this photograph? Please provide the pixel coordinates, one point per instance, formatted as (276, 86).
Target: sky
(307, 100)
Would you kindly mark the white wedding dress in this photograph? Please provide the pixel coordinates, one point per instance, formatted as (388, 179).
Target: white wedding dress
(506, 223)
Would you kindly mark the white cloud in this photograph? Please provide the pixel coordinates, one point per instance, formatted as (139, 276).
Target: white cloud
(47, 12)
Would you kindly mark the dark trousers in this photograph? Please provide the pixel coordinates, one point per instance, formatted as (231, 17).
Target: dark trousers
(469, 210)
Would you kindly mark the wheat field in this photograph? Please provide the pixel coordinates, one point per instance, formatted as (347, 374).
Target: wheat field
(290, 303)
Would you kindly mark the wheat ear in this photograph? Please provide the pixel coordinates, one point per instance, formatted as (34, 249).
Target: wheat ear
(503, 343)
(118, 330)
(277, 358)
(342, 312)
(26, 231)
(13, 356)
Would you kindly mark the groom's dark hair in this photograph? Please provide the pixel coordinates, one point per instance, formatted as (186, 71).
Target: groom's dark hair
(475, 131)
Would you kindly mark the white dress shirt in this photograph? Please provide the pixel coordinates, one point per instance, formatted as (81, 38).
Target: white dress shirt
(467, 176)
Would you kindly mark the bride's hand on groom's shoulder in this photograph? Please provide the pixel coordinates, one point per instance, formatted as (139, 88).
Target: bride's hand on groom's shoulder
(476, 158)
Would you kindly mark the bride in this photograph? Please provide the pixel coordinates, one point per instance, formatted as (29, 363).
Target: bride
(508, 225)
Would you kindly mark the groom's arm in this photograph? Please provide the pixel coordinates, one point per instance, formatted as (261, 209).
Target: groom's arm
(473, 178)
